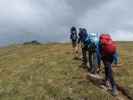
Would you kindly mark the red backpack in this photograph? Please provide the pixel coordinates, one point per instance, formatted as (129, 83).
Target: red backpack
(108, 46)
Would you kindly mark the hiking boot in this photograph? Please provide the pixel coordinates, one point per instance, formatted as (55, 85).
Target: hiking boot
(107, 84)
(114, 91)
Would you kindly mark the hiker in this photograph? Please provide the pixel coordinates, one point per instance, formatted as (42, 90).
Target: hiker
(92, 42)
(107, 51)
(74, 38)
(80, 41)
(89, 41)
(82, 36)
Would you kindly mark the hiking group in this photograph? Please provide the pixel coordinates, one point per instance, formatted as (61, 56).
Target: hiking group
(95, 48)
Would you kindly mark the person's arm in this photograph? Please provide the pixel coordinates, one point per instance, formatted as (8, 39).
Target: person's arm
(99, 52)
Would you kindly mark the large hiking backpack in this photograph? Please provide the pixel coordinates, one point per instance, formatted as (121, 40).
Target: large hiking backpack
(93, 37)
(74, 36)
(108, 46)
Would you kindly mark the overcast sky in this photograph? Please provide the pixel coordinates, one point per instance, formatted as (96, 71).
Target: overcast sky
(50, 20)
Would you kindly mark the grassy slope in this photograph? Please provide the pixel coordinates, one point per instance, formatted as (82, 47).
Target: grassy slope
(124, 74)
(48, 72)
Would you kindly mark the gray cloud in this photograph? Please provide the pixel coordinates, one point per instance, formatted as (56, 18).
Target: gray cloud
(50, 20)
(114, 17)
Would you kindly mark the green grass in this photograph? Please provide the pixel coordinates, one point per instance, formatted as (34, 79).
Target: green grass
(48, 72)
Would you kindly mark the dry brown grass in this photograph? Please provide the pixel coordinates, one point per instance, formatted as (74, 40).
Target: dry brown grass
(48, 72)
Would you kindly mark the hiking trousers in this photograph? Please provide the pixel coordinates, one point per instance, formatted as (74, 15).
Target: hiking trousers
(84, 54)
(108, 60)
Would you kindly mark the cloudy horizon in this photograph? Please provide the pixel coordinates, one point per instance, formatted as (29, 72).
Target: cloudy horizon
(50, 20)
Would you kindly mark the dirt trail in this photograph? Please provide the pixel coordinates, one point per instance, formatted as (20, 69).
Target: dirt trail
(98, 81)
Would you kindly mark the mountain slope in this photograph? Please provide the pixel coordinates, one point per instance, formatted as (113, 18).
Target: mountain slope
(46, 72)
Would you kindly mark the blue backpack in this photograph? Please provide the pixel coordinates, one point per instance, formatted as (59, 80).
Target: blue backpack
(92, 38)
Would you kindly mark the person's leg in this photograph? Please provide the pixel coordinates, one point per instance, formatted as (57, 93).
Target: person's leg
(90, 60)
(94, 63)
(75, 50)
(98, 58)
(110, 76)
(111, 79)
(109, 73)
(73, 46)
(106, 70)
(84, 51)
